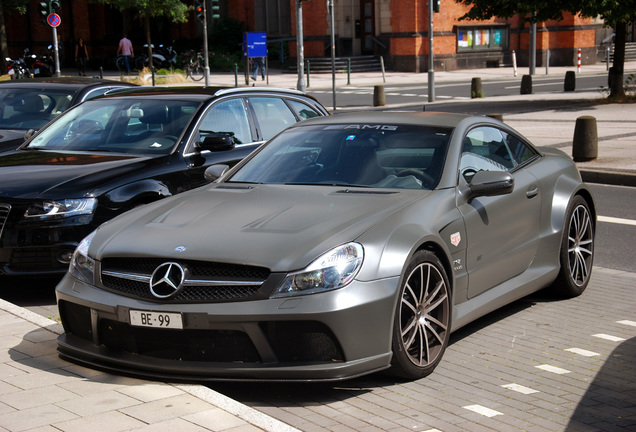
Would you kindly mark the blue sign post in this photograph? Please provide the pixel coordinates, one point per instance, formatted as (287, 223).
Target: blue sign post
(254, 45)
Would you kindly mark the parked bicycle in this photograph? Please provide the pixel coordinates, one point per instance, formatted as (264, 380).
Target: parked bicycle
(195, 68)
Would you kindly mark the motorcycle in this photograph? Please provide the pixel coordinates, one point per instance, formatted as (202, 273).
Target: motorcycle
(17, 69)
(37, 65)
(163, 57)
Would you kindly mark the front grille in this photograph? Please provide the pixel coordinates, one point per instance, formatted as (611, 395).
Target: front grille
(291, 341)
(131, 277)
(4, 214)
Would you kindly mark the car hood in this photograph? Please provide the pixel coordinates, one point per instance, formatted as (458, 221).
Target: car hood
(10, 139)
(280, 227)
(28, 174)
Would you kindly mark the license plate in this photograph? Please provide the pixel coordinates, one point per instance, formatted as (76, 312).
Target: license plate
(156, 319)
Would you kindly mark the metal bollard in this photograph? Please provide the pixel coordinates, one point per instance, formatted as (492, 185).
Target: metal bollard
(153, 76)
(476, 90)
(308, 67)
(235, 75)
(349, 71)
(526, 84)
(570, 81)
(585, 142)
(379, 98)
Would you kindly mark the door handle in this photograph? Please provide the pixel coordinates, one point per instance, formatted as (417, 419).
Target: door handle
(533, 192)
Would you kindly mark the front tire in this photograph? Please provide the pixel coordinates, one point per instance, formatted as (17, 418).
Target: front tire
(577, 250)
(421, 327)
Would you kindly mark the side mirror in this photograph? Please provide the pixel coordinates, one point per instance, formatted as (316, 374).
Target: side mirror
(29, 134)
(217, 142)
(490, 183)
(214, 172)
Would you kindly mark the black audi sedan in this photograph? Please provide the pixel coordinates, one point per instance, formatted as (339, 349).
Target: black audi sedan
(30, 104)
(111, 154)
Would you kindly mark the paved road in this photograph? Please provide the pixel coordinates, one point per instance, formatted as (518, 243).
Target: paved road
(537, 365)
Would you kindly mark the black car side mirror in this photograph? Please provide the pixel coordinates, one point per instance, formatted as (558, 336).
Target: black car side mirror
(217, 142)
(490, 183)
(214, 172)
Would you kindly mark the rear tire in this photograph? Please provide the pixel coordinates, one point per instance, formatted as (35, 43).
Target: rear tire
(421, 327)
(577, 250)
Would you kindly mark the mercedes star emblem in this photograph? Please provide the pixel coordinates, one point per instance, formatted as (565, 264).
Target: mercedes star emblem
(167, 279)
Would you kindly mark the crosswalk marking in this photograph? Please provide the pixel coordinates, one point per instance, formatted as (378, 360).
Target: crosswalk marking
(483, 410)
(553, 369)
(583, 352)
(520, 389)
(616, 220)
(609, 337)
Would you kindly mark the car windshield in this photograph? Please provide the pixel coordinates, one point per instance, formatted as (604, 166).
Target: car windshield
(380, 156)
(31, 109)
(126, 125)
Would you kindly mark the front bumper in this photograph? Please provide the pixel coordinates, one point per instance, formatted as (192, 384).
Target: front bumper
(322, 337)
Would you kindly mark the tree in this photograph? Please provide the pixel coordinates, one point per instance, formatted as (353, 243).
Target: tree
(175, 10)
(616, 13)
(6, 6)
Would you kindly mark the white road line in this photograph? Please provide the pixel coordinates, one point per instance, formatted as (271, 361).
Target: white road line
(627, 322)
(583, 352)
(553, 369)
(616, 220)
(609, 337)
(520, 389)
(482, 410)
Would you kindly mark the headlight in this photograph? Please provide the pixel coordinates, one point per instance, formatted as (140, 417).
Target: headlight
(335, 269)
(82, 266)
(61, 209)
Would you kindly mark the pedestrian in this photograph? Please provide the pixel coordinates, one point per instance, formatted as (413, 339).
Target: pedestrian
(81, 57)
(126, 50)
(258, 64)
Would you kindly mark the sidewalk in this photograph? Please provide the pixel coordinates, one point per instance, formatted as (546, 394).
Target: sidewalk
(40, 392)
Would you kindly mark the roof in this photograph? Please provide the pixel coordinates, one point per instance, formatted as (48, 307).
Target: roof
(63, 82)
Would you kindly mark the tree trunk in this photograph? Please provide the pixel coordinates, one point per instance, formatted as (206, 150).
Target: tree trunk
(617, 71)
(148, 38)
(4, 48)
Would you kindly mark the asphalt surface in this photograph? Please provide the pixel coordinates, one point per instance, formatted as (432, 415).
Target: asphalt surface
(536, 365)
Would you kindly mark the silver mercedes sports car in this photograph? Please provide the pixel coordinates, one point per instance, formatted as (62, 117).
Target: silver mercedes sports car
(345, 245)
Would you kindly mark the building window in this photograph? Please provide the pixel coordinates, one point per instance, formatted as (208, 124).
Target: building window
(482, 38)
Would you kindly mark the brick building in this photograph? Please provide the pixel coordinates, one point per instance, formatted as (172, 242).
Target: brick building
(394, 29)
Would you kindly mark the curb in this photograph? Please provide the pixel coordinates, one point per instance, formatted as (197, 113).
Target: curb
(237, 409)
(616, 178)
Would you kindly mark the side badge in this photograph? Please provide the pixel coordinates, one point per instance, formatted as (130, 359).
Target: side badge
(180, 249)
(455, 238)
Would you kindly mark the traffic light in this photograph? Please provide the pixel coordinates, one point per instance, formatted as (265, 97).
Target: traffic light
(215, 9)
(55, 6)
(199, 10)
(435, 5)
(44, 8)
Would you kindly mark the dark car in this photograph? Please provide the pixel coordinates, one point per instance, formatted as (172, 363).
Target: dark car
(111, 154)
(30, 104)
(346, 245)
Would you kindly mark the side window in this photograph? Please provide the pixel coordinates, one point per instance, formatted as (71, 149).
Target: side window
(273, 115)
(227, 117)
(303, 110)
(485, 150)
(519, 150)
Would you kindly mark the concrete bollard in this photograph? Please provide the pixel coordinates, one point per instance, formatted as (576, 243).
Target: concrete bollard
(496, 116)
(476, 90)
(570, 81)
(526, 84)
(378, 96)
(585, 143)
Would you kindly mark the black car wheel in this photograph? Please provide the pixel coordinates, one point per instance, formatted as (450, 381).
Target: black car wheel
(577, 249)
(421, 326)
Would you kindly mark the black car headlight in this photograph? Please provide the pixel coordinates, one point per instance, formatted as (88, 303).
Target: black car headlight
(61, 209)
(335, 269)
(82, 266)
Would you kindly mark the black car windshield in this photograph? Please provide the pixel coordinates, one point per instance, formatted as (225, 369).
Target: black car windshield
(22, 108)
(120, 125)
(379, 156)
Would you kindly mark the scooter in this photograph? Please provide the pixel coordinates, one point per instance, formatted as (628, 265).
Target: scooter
(36, 65)
(17, 69)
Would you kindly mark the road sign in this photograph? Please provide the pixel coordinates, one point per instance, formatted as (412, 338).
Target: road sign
(255, 44)
(53, 20)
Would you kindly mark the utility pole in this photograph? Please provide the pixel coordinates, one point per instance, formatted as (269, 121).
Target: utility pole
(300, 50)
(431, 64)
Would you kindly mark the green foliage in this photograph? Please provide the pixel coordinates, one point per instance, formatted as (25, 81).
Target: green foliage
(226, 36)
(175, 10)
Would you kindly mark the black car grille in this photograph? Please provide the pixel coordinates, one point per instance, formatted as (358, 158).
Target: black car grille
(131, 277)
(4, 213)
(291, 341)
